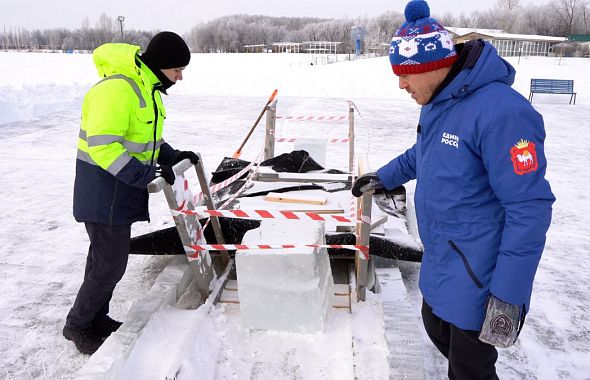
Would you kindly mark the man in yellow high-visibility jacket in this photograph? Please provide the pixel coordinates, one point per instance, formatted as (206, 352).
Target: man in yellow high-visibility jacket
(119, 147)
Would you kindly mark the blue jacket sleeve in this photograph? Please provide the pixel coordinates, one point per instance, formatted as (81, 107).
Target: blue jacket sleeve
(513, 154)
(134, 173)
(399, 170)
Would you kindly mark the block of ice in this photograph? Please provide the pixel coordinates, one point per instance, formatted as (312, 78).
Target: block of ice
(314, 146)
(285, 289)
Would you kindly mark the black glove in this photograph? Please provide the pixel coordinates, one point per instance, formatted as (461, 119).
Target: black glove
(192, 156)
(502, 324)
(167, 173)
(368, 181)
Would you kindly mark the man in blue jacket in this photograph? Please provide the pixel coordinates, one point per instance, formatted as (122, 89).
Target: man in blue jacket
(482, 202)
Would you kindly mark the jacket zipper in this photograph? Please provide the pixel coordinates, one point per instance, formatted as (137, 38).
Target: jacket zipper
(156, 111)
(466, 263)
(113, 202)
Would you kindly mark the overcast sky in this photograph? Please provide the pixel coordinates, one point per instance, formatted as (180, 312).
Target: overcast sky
(182, 15)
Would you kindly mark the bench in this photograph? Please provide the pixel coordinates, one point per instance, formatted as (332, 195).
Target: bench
(553, 86)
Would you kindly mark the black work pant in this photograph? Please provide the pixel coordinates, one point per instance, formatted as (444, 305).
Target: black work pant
(105, 265)
(469, 358)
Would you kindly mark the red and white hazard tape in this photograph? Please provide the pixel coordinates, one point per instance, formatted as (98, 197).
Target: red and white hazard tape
(226, 247)
(330, 141)
(267, 214)
(315, 117)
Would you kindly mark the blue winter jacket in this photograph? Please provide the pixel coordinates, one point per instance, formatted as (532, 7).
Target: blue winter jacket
(482, 202)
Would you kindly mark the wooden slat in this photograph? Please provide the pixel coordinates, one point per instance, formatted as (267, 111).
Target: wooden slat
(231, 285)
(341, 302)
(342, 293)
(229, 296)
(300, 177)
(291, 198)
(341, 289)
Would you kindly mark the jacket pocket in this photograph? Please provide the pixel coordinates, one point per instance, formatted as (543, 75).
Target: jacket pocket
(145, 115)
(466, 264)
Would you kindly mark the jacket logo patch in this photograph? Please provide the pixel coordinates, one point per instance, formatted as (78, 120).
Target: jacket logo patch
(449, 139)
(524, 157)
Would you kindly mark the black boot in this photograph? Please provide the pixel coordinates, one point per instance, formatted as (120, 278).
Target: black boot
(105, 325)
(87, 341)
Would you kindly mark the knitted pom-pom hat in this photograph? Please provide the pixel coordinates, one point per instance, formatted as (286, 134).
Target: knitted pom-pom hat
(421, 44)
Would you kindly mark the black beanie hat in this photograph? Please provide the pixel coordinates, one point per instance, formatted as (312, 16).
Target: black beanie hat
(166, 50)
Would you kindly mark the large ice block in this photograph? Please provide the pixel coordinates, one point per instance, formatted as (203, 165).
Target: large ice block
(314, 146)
(285, 289)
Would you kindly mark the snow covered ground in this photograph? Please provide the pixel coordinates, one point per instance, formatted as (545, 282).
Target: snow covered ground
(43, 250)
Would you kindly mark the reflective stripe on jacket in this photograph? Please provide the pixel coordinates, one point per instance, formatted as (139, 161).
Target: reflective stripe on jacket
(120, 139)
(483, 204)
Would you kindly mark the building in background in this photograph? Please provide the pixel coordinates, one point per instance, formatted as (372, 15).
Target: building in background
(286, 47)
(255, 48)
(508, 44)
(580, 43)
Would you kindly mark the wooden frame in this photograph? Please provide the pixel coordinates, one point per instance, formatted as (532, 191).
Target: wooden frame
(188, 225)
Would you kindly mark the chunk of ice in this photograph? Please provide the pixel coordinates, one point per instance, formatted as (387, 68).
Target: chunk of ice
(285, 289)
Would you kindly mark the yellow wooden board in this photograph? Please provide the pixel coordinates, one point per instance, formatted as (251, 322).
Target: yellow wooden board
(290, 198)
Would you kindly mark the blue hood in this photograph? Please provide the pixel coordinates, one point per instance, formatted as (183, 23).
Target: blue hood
(490, 67)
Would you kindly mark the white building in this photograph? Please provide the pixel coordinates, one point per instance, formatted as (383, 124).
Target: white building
(509, 44)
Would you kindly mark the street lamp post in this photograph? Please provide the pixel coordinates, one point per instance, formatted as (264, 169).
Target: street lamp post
(121, 19)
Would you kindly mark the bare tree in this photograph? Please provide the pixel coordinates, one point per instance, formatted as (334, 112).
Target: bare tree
(565, 11)
(506, 13)
(448, 19)
(509, 5)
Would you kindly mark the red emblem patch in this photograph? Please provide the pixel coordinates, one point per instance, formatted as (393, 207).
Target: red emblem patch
(524, 157)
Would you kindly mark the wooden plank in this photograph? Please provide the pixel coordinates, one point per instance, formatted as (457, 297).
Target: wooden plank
(362, 235)
(231, 285)
(341, 289)
(300, 177)
(341, 302)
(229, 296)
(316, 211)
(296, 198)
(350, 137)
(201, 266)
(269, 141)
(200, 170)
(378, 222)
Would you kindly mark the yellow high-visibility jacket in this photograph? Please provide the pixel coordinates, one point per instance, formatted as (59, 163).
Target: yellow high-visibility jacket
(120, 140)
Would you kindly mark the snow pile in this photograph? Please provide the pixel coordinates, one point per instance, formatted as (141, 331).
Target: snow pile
(286, 290)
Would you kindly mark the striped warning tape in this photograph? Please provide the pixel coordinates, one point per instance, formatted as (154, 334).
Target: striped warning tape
(315, 117)
(268, 214)
(225, 247)
(330, 141)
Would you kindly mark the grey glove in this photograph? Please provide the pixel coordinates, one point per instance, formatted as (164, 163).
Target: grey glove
(502, 324)
(368, 181)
